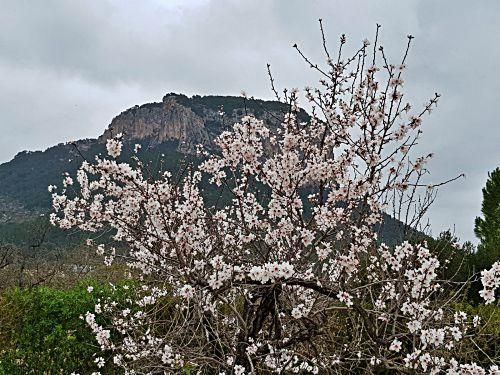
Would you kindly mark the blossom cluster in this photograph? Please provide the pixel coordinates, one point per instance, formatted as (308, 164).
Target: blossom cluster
(491, 282)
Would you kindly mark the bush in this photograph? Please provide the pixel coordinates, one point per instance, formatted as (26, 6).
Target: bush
(41, 331)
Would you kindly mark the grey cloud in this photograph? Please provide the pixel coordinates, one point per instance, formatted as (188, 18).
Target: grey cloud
(67, 67)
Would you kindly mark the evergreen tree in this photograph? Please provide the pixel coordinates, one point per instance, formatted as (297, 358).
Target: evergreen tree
(487, 229)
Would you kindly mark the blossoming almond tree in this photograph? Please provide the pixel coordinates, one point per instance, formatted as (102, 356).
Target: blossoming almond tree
(289, 276)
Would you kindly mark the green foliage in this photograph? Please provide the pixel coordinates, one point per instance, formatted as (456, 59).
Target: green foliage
(38, 232)
(487, 229)
(486, 335)
(456, 258)
(26, 177)
(41, 331)
(31, 190)
(236, 104)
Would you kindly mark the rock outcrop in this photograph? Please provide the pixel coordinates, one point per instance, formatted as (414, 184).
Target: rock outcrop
(160, 122)
(191, 121)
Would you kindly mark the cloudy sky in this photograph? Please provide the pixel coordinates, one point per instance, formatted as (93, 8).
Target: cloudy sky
(67, 67)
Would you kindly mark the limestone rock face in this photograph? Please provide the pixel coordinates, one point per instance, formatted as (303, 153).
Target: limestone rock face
(191, 121)
(160, 122)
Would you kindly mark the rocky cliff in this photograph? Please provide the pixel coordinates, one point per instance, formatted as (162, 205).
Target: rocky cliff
(160, 122)
(190, 121)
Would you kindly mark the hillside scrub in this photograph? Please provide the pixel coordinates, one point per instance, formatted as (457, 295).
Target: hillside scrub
(275, 281)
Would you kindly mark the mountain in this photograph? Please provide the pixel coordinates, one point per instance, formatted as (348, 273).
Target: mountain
(175, 125)
(172, 127)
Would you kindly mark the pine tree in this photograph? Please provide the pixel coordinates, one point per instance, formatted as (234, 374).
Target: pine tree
(487, 229)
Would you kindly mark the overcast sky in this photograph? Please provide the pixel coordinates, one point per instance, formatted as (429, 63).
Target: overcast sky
(67, 67)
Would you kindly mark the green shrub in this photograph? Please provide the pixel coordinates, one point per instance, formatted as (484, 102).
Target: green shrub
(41, 331)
